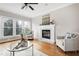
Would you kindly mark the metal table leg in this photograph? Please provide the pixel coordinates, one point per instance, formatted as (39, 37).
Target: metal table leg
(32, 50)
(13, 53)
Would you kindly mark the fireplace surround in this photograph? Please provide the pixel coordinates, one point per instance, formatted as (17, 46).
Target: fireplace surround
(47, 33)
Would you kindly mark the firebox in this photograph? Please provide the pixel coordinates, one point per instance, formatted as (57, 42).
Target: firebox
(46, 34)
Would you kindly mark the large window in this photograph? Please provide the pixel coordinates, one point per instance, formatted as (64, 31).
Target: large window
(18, 27)
(8, 28)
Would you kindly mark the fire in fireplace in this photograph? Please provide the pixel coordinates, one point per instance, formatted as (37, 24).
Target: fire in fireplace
(46, 34)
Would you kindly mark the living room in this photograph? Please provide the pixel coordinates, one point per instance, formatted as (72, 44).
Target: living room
(44, 25)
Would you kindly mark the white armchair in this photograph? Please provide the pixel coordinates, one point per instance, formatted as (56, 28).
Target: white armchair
(69, 42)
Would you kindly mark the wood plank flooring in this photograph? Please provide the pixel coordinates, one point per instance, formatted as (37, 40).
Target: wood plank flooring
(52, 49)
(49, 49)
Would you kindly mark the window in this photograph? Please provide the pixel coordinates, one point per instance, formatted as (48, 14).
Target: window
(18, 27)
(8, 28)
(11, 27)
(26, 28)
(22, 27)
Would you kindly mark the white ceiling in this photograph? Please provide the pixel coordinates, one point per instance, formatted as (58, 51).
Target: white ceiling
(40, 9)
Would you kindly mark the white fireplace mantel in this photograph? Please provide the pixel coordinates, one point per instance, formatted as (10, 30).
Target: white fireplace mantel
(51, 28)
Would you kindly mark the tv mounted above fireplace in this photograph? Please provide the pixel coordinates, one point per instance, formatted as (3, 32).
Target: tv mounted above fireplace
(46, 34)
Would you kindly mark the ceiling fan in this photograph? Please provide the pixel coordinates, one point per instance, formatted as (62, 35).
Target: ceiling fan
(28, 5)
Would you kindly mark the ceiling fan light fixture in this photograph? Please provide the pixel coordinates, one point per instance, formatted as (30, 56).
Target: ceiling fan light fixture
(29, 5)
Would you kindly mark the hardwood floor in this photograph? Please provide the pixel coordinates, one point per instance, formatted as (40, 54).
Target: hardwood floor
(52, 49)
(47, 48)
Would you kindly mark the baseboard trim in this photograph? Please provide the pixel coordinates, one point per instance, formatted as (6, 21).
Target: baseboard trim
(8, 40)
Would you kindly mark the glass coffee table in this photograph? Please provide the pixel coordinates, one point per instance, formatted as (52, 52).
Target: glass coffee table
(12, 51)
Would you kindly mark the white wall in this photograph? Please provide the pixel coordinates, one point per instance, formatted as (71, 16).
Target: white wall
(67, 20)
(17, 16)
(36, 27)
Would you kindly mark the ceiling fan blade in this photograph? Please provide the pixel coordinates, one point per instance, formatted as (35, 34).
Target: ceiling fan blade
(31, 7)
(23, 7)
(32, 3)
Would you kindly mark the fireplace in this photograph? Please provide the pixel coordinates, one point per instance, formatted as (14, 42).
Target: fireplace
(46, 34)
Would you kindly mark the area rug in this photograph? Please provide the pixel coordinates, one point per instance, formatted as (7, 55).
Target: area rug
(28, 52)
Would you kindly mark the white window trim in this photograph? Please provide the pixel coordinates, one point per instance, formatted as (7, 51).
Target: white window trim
(2, 19)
